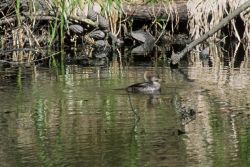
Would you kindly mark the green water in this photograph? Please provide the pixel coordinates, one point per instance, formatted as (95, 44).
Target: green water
(83, 118)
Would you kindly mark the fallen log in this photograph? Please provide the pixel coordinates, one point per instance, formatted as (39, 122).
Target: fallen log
(145, 12)
(175, 58)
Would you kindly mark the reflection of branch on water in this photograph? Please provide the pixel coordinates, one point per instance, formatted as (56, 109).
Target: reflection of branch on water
(186, 114)
(184, 74)
(150, 103)
(137, 117)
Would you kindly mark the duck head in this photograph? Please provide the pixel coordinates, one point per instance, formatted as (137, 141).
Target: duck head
(150, 76)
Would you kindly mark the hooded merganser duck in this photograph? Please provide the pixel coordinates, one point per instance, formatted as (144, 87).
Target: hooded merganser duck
(151, 84)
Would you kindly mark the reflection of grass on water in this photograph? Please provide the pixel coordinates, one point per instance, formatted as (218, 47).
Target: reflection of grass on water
(134, 110)
(100, 128)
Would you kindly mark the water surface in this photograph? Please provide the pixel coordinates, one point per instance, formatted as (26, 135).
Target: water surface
(83, 117)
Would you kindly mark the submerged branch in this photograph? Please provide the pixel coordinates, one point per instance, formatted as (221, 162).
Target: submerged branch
(175, 58)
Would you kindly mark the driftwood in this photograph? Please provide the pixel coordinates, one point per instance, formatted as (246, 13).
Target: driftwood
(175, 58)
(160, 10)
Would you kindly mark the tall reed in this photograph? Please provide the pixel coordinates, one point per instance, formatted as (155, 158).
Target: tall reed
(52, 32)
(62, 22)
(17, 8)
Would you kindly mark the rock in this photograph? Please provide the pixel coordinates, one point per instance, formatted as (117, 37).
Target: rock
(204, 54)
(97, 35)
(102, 52)
(100, 43)
(92, 15)
(103, 23)
(141, 35)
(78, 29)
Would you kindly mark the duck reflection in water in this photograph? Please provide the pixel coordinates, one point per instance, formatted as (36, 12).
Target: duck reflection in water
(150, 86)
